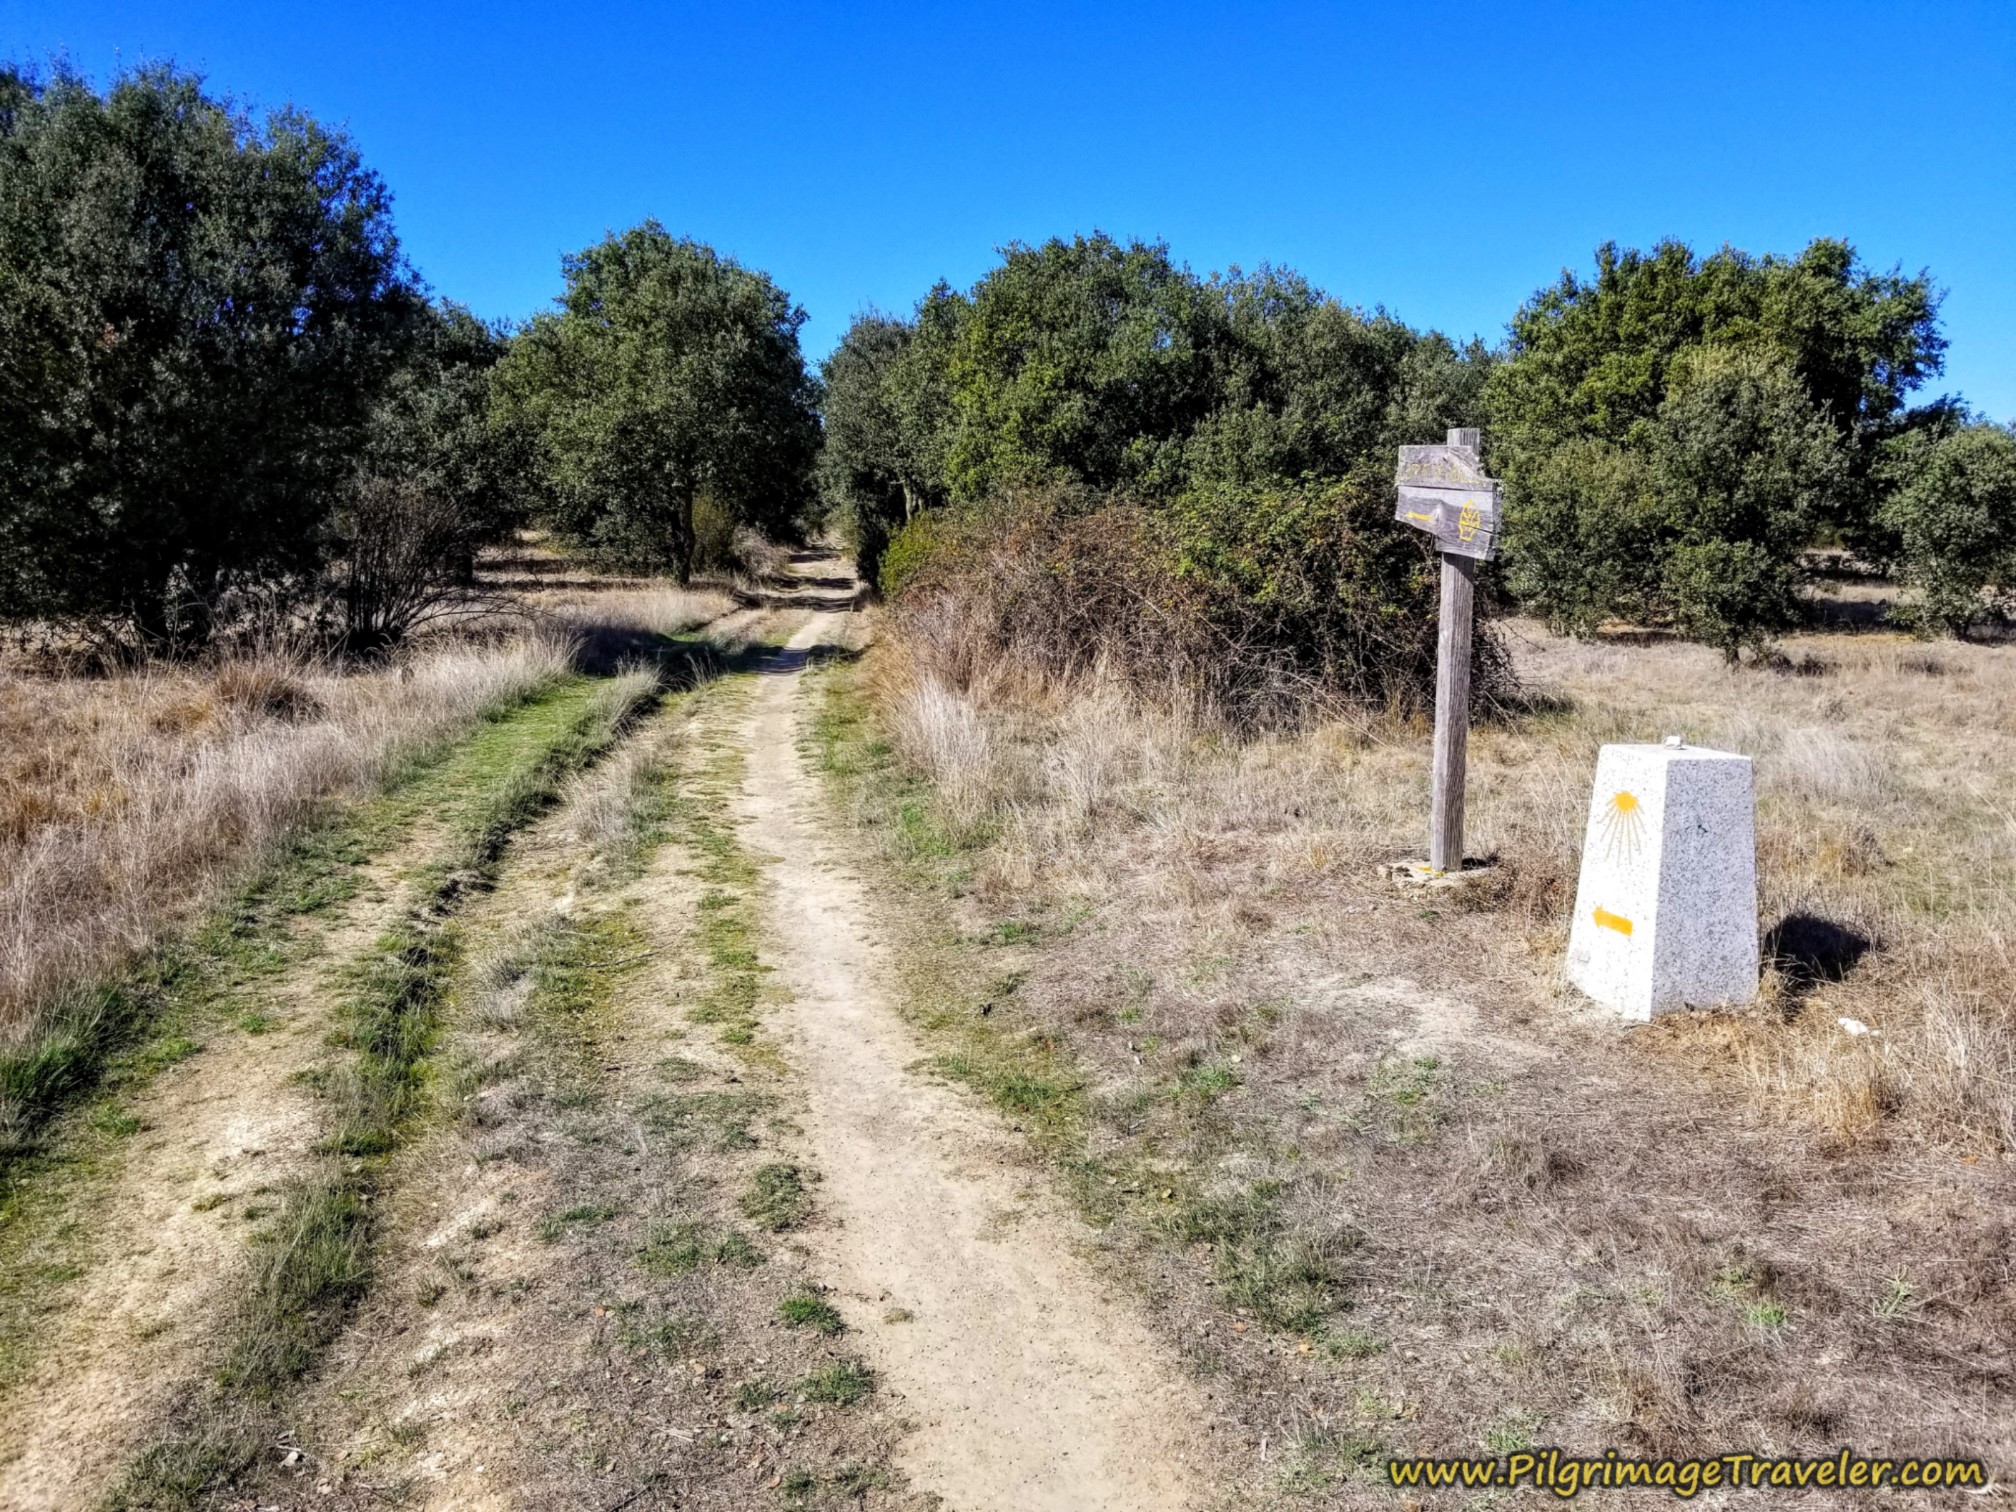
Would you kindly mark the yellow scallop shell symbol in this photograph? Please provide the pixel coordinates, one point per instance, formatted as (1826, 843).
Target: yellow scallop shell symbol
(1469, 523)
(1622, 827)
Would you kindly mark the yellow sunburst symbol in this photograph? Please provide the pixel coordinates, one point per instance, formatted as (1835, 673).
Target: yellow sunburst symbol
(1622, 826)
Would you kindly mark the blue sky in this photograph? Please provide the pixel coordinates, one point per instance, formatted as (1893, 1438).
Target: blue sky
(1442, 160)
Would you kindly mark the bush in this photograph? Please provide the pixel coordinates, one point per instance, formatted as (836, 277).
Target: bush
(903, 556)
(1700, 523)
(714, 527)
(1952, 517)
(408, 560)
(1314, 590)
(1252, 604)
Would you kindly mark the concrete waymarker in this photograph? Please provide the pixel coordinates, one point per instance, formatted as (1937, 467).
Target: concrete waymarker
(1666, 910)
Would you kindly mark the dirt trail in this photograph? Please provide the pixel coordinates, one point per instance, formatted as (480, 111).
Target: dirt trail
(220, 1134)
(1031, 1386)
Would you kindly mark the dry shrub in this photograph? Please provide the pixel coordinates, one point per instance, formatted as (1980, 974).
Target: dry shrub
(755, 555)
(1156, 602)
(266, 688)
(121, 825)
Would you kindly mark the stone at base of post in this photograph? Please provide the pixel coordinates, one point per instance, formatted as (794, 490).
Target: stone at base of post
(1425, 875)
(1666, 909)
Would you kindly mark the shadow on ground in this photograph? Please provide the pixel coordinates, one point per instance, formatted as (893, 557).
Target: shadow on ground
(1809, 950)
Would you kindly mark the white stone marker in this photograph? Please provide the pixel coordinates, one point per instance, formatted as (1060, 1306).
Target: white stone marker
(1666, 910)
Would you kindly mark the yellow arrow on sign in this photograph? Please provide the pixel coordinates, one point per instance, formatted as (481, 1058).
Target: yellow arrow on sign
(1608, 920)
(1424, 519)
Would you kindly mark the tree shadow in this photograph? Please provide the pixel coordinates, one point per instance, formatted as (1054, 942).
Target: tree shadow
(778, 660)
(1809, 950)
(822, 594)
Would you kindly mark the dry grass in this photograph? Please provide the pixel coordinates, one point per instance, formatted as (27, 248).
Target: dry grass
(129, 800)
(649, 609)
(1887, 858)
(1383, 1122)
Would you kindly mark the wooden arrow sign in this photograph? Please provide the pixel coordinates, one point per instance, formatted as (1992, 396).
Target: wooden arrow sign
(1444, 491)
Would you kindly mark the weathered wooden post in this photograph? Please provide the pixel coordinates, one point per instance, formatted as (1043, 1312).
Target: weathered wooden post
(1443, 490)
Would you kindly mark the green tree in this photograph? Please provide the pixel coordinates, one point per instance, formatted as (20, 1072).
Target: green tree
(1952, 514)
(1082, 364)
(669, 374)
(1096, 368)
(1702, 525)
(441, 475)
(1307, 387)
(196, 312)
(1598, 366)
(868, 470)
(1204, 462)
(1743, 464)
(1593, 358)
(1587, 537)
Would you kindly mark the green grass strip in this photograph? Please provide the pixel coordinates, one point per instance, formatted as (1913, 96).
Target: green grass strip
(696, 815)
(314, 1261)
(105, 1037)
(1029, 1076)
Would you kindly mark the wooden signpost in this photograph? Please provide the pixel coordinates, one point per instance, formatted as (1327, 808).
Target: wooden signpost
(1443, 491)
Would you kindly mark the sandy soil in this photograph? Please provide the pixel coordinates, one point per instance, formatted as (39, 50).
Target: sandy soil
(1033, 1386)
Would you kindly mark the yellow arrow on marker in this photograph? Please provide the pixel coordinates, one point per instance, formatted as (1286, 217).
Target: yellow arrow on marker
(1608, 920)
(1424, 519)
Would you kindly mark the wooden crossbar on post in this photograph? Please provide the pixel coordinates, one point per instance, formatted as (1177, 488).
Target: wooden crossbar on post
(1444, 492)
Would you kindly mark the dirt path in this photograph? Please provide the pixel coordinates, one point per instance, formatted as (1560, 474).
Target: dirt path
(220, 1134)
(1032, 1388)
(153, 1221)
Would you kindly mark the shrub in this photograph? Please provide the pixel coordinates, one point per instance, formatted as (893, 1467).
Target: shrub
(1952, 517)
(407, 559)
(1700, 522)
(1251, 603)
(1313, 590)
(901, 557)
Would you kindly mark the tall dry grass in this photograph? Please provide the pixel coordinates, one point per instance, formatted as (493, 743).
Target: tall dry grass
(1380, 1120)
(1887, 847)
(652, 609)
(127, 802)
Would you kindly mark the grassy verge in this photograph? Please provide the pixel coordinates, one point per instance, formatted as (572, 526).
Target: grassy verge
(210, 980)
(960, 987)
(108, 1038)
(315, 1259)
